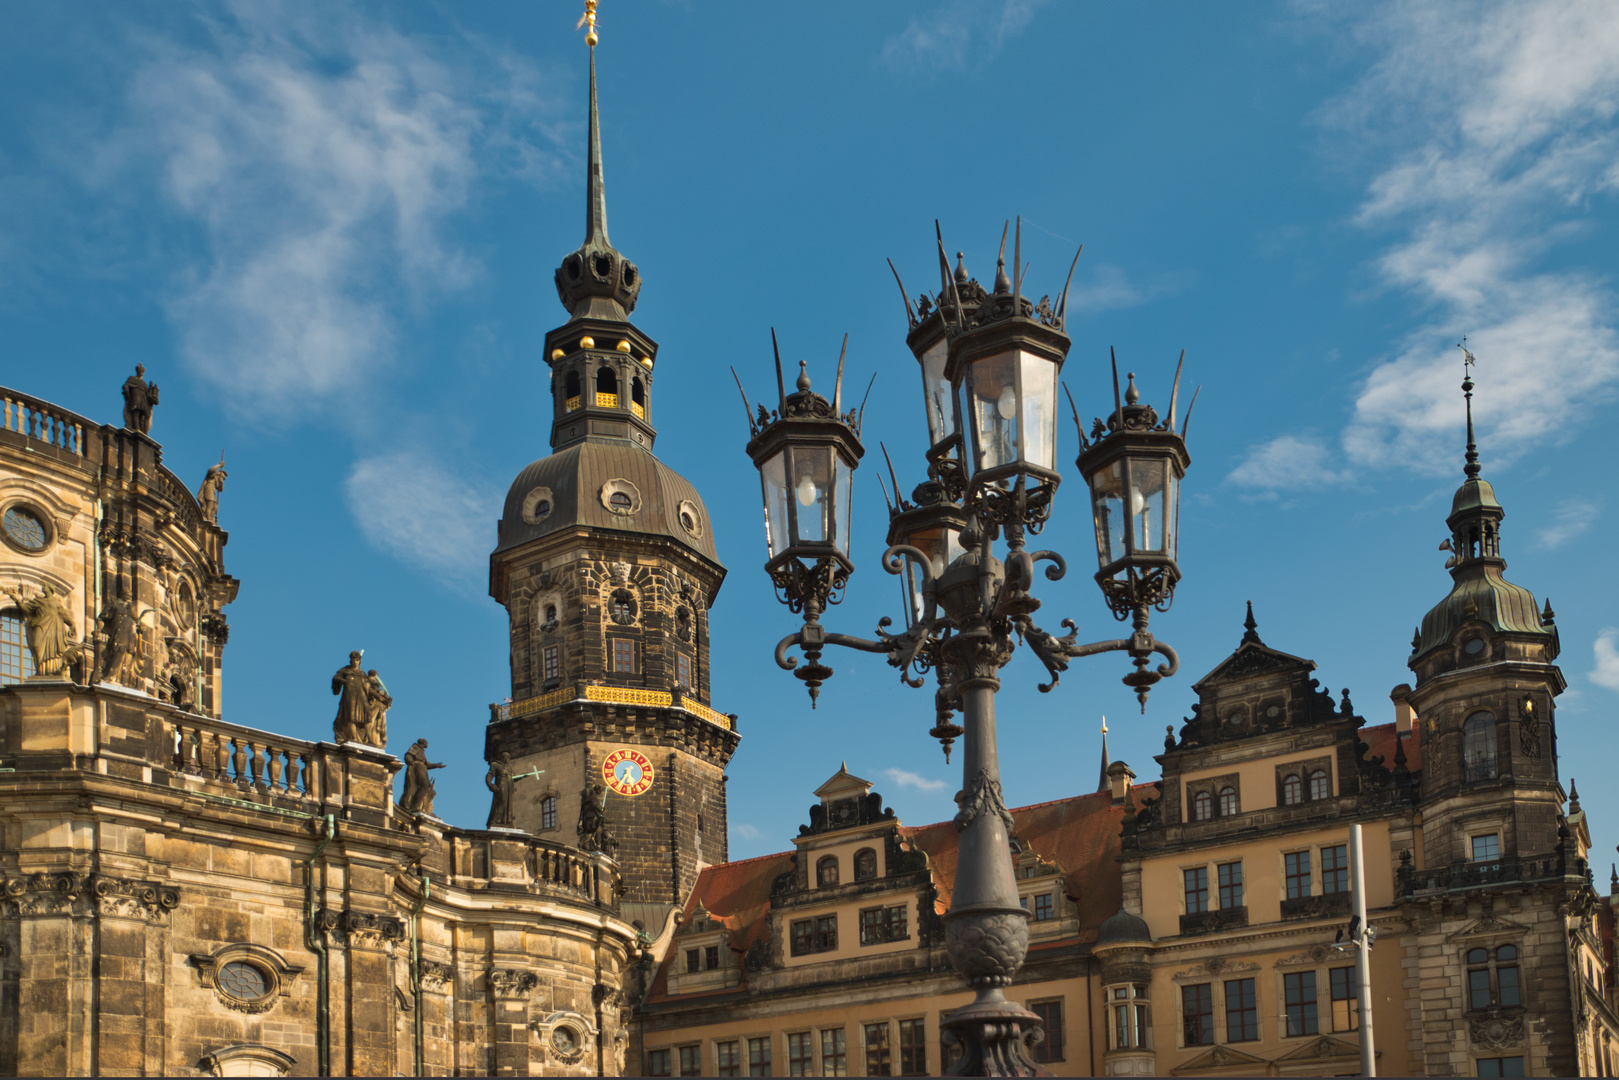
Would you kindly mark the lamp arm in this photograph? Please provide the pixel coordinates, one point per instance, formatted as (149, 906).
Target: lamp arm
(1058, 567)
(894, 562)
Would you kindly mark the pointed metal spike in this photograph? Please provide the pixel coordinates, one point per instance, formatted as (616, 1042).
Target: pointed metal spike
(884, 489)
(891, 473)
(781, 385)
(944, 261)
(753, 429)
(1079, 427)
(859, 417)
(910, 311)
(1185, 427)
(1006, 228)
(1118, 406)
(1175, 391)
(1017, 261)
(1062, 305)
(944, 265)
(837, 387)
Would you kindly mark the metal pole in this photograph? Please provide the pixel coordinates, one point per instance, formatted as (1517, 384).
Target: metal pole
(1363, 952)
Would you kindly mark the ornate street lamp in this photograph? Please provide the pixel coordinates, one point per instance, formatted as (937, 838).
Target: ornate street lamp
(990, 361)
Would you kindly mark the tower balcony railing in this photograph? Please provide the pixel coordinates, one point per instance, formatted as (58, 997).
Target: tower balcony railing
(573, 404)
(638, 409)
(1463, 876)
(612, 695)
(606, 401)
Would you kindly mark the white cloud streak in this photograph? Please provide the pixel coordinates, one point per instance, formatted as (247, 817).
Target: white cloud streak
(905, 778)
(1605, 651)
(950, 34)
(1571, 519)
(411, 506)
(1288, 463)
(1497, 131)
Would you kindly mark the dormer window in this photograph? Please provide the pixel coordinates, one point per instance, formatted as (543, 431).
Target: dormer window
(1292, 790)
(1203, 807)
(865, 864)
(826, 871)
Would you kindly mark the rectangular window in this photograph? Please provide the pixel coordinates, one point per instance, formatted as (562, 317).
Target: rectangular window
(1478, 988)
(1501, 1066)
(815, 935)
(1298, 874)
(711, 958)
(728, 1056)
(1299, 987)
(1050, 1014)
(1486, 847)
(759, 1057)
(1197, 1014)
(683, 670)
(1345, 999)
(16, 661)
(1197, 889)
(1508, 978)
(694, 961)
(800, 1054)
(1230, 884)
(1335, 869)
(624, 656)
(913, 1047)
(691, 1060)
(553, 664)
(657, 1063)
(1042, 907)
(1241, 1010)
(879, 1061)
(878, 925)
(834, 1062)
(548, 812)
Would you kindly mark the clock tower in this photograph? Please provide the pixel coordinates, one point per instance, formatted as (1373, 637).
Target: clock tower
(607, 569)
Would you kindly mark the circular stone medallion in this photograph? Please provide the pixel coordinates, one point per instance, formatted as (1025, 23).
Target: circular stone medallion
(627, 772)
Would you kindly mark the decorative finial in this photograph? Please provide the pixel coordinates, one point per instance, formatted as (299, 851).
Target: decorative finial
(1346, 708)
(1250, 627)
(1468, 360)
(1131, 394)
(1416, 640)
(1613, 878)
(1400, 759)
(1003, 284)
(803, 376)
(961, 269)
(588, 19)
(1104, 725)
(1573, 797)
(1548, 616)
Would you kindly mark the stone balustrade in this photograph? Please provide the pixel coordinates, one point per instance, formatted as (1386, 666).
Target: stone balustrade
(505, 860)
(43, 422)
(246, 759)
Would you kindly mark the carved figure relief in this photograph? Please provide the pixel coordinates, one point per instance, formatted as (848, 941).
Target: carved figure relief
(377, 703)
(50, 629)
(1494, 1031)
(122, 652)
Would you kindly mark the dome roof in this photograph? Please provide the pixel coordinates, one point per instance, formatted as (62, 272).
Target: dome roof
(1121, 927)
(1474, 494)
(605, 485)
(1482, 594)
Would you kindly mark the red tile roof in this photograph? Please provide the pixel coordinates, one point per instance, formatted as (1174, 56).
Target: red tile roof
(1381, 741)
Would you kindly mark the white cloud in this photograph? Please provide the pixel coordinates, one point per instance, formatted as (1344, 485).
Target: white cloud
(319, 166)
(1571, 519)
(413, 507)
(1605, 651)
(1493, 133)
(1288, 463)
(747, 832)
(905, 778)
(947, 35)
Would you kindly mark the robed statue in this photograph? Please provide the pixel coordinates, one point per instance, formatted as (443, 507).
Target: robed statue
(378, 701)
(593, 835)
(501, 785)
(208, 494)
(353, 723)
(419, 789)
(50, 629)
(121, 657)
(140, 398)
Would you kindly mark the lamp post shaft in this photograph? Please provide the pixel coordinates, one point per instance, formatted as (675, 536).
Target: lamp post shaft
(1363, 952)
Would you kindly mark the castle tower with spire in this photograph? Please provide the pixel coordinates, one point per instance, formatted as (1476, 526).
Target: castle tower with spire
(607, 569)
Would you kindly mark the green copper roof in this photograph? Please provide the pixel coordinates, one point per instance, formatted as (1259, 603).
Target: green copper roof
(1474, 494)
(1481, 593)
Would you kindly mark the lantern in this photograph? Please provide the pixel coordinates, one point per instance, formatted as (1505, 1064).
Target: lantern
(934, 528)
(1004, 373)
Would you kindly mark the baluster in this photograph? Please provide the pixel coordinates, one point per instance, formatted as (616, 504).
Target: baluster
(292, 774)
(255, 765)
(221, 758)
(241, 761)
(275, 770)
(311, 778)
(176, 743)
(183, 757)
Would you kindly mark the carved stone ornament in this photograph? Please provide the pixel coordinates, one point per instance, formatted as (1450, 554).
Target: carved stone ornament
(1495, 1031)
(1529, 726)
(245, 977)
(436, 978)
(512, 982)
(538, 504)
(69, 893)
(1214, 966)
(1315, 954)
(1490, 925)
(1118, 974)
(982, 796)
(620, 497)
(565, 1035)
(247, 1059)
(987, 946)
(621, 572)
(691, 518)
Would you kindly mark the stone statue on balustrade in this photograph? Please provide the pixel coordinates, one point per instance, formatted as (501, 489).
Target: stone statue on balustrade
(501, 785)
(122, 654)
(378, 701)
(208, 494)
(140, 398)
(593, 834)
(353, 723)
(50, 630)
(419, 790)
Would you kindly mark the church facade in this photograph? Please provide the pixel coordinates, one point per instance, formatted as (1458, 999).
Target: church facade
(180, 894)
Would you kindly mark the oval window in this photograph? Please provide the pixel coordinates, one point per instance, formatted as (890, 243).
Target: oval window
(1474, 646)
(620, 499)
(24, 528)
(243, 981)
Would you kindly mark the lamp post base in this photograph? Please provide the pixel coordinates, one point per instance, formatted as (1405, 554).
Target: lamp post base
(992, 1033)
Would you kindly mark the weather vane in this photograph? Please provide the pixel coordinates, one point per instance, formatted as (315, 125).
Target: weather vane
(1468, 358)
(589, 17)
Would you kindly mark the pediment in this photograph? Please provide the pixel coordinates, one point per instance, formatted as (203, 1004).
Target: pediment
(1489, 926)
(1324, 1048)
(1222, 1059)
(1253, 658)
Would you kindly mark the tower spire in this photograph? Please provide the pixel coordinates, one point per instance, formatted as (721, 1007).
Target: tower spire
(595, 192)
(1105, 784)
(1471, 468)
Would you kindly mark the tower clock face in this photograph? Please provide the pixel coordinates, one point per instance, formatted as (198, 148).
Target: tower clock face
(627, 772)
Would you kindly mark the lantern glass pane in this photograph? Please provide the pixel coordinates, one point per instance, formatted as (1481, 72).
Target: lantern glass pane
(773, 476)
(942, 546)
(936, 390)
(1148, 497)
(842, 507)
(1107, 508)
(1039, 403)
(811, 478)
(991, 407)
(1172, 513)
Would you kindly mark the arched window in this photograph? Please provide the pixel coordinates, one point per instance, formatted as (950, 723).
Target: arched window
(606, 388)
(548, 812)
(1478, 748)
(1320, 785)
(865, 864)
(1202, 806)
(638, 397)
(16, 662)
(826, 871)
(571, 394)
(1228, 801)
(1292, 790)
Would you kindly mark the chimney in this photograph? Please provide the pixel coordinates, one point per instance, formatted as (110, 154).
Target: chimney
(1120, 775)
(1404, 715)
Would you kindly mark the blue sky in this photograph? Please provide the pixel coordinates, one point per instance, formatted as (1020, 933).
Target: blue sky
(329, 232)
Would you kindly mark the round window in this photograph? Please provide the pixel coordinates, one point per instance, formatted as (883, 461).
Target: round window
(620, 499)
(24, 528)
(1474, 646)
(243, 981)
(564, 1039)
(1273, 711)
(542, 508)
